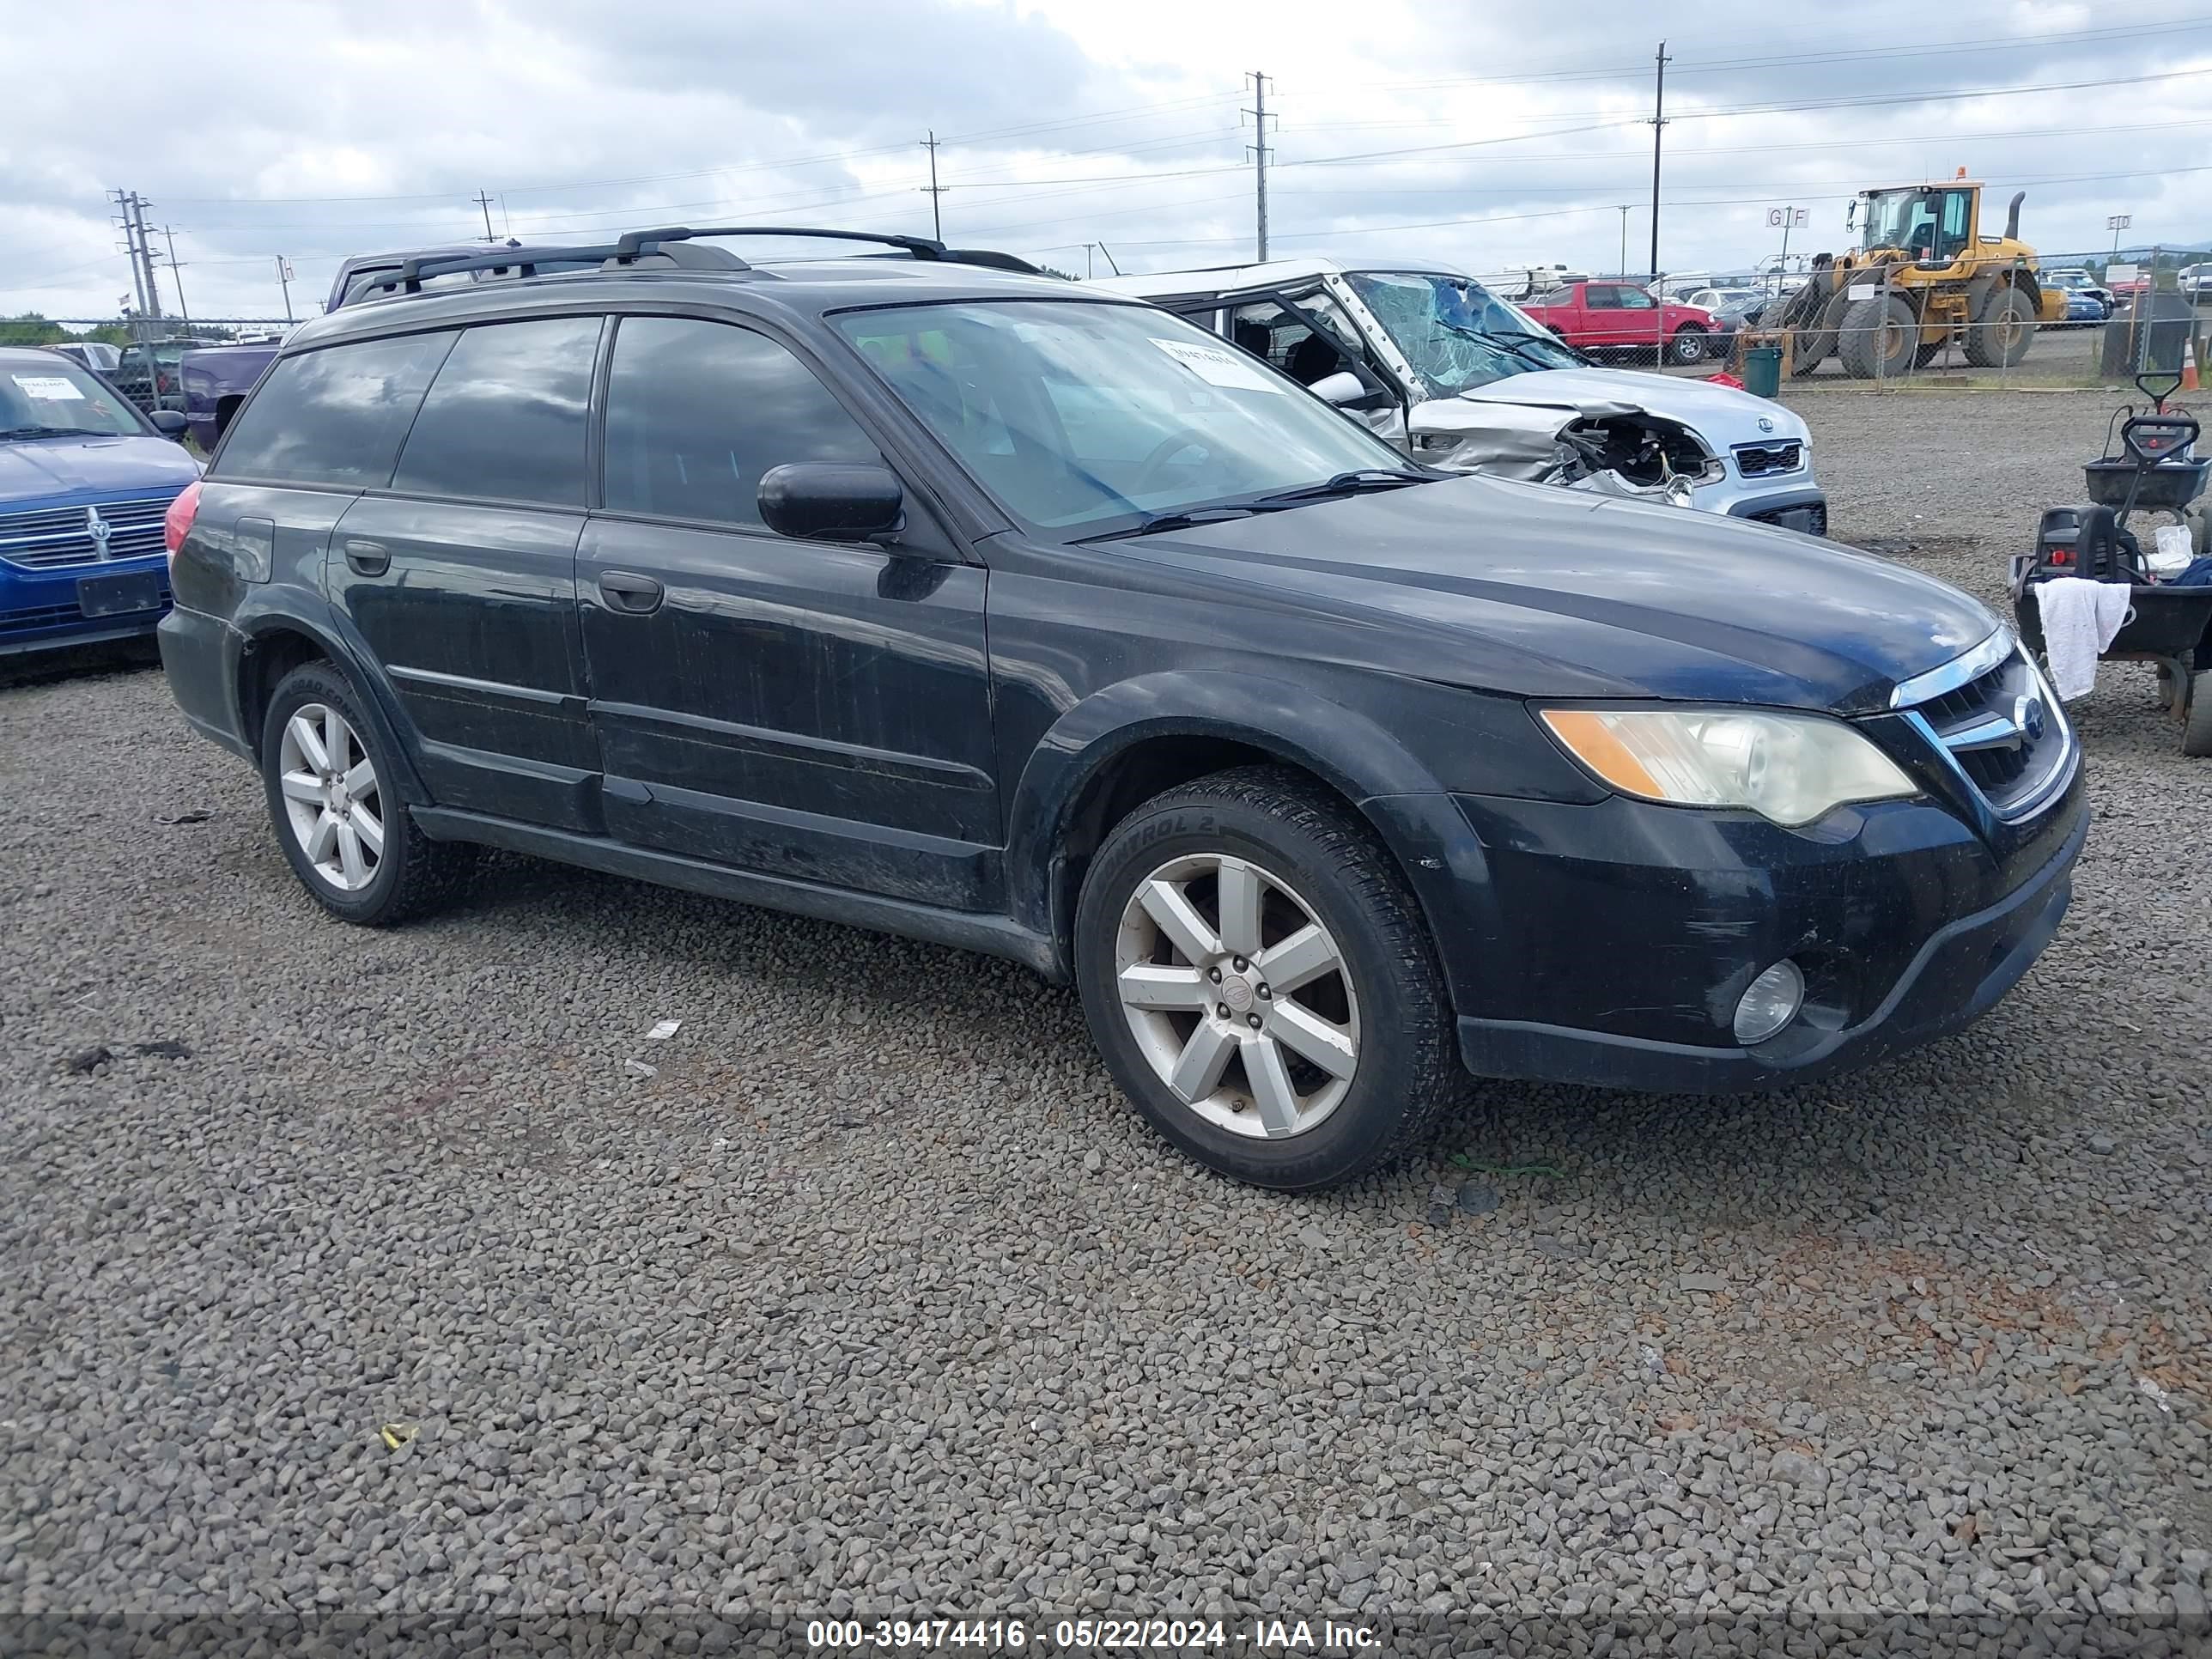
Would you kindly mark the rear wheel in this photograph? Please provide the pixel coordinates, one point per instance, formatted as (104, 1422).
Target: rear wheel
(2196, 735)
(341, 822)
(2002, 330)
(1262, 982)
(1689, 345)
(1880, 339)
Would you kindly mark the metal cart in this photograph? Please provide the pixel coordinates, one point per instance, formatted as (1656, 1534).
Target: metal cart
(2156, 469)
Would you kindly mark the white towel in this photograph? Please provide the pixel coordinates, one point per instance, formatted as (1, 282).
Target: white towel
(2080, 618)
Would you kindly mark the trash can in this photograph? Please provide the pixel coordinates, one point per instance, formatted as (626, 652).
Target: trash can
(1762, 371)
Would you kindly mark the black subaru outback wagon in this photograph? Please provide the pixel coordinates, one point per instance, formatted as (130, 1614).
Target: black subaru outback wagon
(972, 605)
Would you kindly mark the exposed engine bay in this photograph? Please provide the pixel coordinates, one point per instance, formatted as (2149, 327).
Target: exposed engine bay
(1629, 454)
(1612, 448)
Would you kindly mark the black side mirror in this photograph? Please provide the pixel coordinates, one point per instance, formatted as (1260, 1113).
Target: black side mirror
(832, 501)
(169, 423)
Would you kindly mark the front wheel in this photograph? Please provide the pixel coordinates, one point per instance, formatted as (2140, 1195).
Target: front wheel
(1262, 982)
(1689, 345)
(1879, 339)
(338, 817)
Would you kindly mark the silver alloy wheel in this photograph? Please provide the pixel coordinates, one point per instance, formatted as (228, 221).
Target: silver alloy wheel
(1237, 995)
(331, 796)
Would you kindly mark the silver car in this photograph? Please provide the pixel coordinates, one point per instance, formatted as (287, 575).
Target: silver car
(1460, 378)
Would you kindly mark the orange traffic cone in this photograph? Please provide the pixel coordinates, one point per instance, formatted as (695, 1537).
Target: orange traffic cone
(2188, 365)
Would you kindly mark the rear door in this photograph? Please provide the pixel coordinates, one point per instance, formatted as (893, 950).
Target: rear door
(810, 709)
(459, 573)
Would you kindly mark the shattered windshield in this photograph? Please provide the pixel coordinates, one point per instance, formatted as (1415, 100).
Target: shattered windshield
(1456, 333)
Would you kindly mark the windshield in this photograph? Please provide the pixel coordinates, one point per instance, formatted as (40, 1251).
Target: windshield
(1456, 333)
(1089, 415)
(59, 398)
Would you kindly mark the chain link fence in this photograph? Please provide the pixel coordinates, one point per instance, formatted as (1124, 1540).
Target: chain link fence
(2057, 321)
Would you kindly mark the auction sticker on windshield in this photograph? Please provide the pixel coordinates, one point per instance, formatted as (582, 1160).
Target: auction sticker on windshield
(47, 388)
(1216, 365)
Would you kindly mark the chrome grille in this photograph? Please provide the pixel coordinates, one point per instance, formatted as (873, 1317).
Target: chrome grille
(50, 538)
(1994, 721)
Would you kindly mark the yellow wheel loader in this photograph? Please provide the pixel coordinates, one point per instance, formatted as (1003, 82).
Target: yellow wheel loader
(1923, 276)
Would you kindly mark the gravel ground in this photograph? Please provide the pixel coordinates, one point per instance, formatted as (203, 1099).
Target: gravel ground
(397, 1285)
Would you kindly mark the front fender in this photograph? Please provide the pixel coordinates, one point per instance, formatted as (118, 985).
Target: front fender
(1368, 763)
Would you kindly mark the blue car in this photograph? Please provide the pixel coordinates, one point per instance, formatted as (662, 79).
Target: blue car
(2083, 308)
(85, 482)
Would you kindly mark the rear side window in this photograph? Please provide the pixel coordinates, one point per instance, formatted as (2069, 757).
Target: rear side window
(335, 416)
(696, 411)
(506, 418)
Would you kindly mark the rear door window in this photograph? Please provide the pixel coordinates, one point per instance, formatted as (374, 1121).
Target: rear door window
(507, 417)
(334, 417)
(1601, 296)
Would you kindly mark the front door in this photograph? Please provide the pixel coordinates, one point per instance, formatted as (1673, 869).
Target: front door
(813, 710)
(460, 576)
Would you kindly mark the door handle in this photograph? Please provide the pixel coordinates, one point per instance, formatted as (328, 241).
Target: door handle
(627, 590)
(366, 558)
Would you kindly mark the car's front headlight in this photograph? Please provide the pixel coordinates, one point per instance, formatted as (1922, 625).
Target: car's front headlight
(1791, 768)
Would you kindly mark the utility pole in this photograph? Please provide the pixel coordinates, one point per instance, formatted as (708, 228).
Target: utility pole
(934, 191)
(1658, 124)
(130, 245)
(482, 199)
(138, 206)
(176, 275)
(285, 282)
(139, 246)
(1258, 114)
(1623, 266)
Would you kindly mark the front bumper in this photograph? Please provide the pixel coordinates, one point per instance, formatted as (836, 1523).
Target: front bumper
(39, 609)
(1616, 938)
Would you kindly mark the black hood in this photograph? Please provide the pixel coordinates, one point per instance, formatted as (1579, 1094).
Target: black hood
(1538, 591)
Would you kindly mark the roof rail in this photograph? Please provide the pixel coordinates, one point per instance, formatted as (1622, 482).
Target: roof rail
(523, 260)
(921, 248)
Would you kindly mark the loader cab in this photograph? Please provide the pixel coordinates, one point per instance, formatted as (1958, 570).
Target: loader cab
(1934, 224)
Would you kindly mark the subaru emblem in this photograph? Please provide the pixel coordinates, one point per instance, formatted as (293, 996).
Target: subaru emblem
(98, 529)
(1765, 423)
(2027, 715)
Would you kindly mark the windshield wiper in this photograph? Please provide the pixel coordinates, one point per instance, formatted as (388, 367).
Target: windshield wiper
(1344, 483)
(15, 433)
(1183, 518)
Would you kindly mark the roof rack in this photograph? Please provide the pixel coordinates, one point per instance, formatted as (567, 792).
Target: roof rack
(921, 248)
(523, 261)
(645, 244)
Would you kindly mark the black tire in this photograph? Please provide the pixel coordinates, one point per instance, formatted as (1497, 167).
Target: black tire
(1406, 1069)
(1880, 339)
(2196, 734)
(1690, 344)
(2002, 330)
(414, 874)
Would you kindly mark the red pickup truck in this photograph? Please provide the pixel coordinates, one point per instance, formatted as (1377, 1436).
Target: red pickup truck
(1599, 316)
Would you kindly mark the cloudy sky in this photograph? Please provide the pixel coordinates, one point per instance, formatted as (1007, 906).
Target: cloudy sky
(1484, 134)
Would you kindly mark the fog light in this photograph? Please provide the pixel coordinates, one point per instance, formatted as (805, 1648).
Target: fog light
(1770, 1002)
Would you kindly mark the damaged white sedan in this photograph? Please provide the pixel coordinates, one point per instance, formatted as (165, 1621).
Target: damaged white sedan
(1458, 379)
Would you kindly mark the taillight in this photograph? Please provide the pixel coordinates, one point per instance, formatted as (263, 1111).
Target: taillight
(177, 522)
